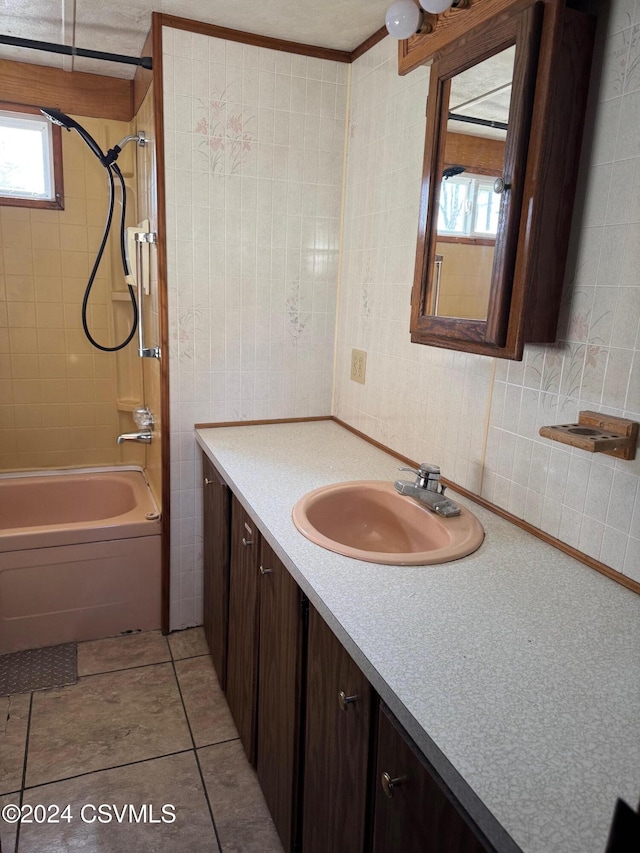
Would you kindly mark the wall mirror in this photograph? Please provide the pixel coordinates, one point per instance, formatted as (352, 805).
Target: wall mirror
(482, 198)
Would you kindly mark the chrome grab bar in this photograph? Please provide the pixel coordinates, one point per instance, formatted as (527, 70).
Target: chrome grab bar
(142, 237)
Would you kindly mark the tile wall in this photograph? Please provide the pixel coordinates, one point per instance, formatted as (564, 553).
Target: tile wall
(254, 143)
(57, 393)
(590, 501)
(426, 403)
(478, 417)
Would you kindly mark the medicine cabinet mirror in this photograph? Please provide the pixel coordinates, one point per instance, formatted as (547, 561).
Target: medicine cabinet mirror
(501, 157)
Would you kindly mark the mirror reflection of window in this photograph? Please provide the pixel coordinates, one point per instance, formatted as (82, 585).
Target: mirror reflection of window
(468, 206)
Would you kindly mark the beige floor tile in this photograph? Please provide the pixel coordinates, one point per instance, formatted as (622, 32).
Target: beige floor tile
(174, 780)
(122, 652)
(188, 644)
(8, 830)
(14, 716)
(207, 709)
(239, 810)
(105, 720)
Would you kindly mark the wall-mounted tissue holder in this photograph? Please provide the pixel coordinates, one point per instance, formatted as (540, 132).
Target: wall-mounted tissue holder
(597, 433)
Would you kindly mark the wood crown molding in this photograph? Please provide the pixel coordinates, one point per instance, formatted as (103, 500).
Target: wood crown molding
(215, 31)
(70, 91)
(367, 44)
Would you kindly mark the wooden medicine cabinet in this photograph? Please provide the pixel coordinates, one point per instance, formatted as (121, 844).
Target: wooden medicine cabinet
(505, 116)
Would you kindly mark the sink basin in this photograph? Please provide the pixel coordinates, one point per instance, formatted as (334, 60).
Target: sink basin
(369, 520)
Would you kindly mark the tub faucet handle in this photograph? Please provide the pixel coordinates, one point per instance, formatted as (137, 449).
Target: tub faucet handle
(143, 418)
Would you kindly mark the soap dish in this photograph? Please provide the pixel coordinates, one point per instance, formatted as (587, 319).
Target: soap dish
(597, 433)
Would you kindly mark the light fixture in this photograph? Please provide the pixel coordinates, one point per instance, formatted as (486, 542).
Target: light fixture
(403, 19)
(437, 7)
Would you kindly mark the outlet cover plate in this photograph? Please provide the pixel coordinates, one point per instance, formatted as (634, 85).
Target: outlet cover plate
(358, 365)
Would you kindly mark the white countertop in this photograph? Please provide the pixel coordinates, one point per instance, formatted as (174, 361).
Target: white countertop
(516, 670)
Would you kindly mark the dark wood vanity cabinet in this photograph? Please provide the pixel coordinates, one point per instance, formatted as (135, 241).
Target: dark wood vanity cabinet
(307, 716)
(265, 668)
(412, 812)
(337, 746)
(282, 646)
(242, 654)
(216, 509)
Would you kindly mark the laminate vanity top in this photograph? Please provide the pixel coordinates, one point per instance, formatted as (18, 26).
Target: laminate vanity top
(516, 670)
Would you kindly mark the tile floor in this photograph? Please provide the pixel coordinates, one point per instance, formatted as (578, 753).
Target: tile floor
(147, 725)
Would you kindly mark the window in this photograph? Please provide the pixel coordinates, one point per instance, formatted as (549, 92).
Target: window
(469, 207)
(30, 159)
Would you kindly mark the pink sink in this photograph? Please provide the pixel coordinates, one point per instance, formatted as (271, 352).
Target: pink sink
(368, 520)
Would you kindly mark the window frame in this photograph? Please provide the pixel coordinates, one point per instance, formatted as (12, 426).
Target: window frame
(56, 203)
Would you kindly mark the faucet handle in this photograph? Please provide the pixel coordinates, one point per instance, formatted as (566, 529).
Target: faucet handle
(427, 476)
(427, 468)
(413, 470)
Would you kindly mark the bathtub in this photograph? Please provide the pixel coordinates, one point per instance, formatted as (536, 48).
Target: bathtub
(79, 557)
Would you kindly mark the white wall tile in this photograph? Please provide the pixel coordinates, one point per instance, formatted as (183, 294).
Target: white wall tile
(595, 363)
(251, 282)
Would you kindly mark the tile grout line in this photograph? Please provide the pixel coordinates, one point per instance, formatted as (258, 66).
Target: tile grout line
(195, 754)
(24, 767)
(106, 769)
(135, 666)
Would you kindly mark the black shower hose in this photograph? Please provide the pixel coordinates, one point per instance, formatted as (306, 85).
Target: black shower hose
(112, 169)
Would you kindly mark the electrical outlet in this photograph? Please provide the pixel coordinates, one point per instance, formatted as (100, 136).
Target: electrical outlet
(358, 365)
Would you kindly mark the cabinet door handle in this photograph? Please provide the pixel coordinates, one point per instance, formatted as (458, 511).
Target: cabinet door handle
(344, 701)
(389, 784)
(264, 571)
(246, 541)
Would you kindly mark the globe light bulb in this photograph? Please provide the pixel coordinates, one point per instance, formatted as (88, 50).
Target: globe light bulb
(436, 7)
(403, 19)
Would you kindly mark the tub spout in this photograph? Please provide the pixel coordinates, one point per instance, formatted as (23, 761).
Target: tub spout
(144, 436)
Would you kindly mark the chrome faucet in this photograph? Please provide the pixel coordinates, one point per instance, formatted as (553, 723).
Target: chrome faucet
(427, 489)
(144, 436)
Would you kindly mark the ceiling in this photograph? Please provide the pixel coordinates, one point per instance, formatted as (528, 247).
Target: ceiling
(483, 92)
(121, 26)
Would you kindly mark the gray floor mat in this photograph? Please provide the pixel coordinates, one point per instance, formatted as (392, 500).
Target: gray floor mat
(38, 669)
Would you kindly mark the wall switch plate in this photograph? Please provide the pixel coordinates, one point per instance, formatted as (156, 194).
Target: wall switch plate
(358, 365)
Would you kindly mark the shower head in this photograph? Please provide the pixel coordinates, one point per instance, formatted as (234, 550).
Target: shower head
(56, 117)
(63, 120)
(452, 171)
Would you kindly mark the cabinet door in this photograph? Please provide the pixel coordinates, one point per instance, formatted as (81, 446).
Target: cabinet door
(281, 663)
(412, 812)
(338, 723)
(242, 658)
(216, 510)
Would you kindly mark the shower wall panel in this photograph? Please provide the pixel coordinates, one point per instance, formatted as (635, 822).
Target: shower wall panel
(60, 404)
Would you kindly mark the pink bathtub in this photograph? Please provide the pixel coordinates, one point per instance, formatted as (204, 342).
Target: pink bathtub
(79, 557)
